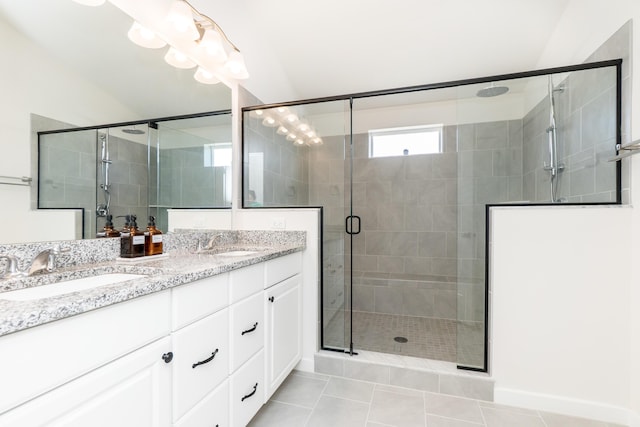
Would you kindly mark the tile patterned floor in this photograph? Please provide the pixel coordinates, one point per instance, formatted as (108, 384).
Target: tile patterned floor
(313, 400)
(429, 338)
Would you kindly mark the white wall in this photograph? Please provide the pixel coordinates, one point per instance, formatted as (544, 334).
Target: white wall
(560, 322)
(34, 83)
(556, 346)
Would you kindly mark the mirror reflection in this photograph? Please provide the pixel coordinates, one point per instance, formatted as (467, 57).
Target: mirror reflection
(75, 67)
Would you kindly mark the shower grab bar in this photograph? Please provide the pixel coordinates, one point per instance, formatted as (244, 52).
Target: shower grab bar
(24, 180)
(630, 149)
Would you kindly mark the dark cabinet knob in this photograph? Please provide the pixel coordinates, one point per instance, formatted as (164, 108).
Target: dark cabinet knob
(167, 357)
(272, 299)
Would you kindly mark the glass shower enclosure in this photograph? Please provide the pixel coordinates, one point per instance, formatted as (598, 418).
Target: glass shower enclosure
(405, 178)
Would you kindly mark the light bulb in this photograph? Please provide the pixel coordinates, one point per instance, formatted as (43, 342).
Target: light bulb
(292, 137)
(269, 121)
(282, 130)
(181, 18)
(282, 110)
(299, 142)
(310, 134)
(178, 59)
(292, 118)
(303, 127)
(212, 44)
(317, 141)
(204, 76)
(235, 66)
(144, 37)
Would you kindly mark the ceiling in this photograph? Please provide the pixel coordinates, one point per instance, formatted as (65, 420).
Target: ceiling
(299, 49)
(334, 47)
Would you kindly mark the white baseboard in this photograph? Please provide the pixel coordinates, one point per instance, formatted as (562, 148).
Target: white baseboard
(567, 406)
(305, 365)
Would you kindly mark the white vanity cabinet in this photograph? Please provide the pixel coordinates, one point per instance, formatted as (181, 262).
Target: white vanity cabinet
(206, 353)
(100, 368)
(283, 316)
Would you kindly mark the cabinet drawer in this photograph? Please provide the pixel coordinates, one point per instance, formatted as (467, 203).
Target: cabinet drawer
(200, 360)
(247, 329)
(213, 410)
(196, 300)
(282, 268)
(247, 391)
(245, 281)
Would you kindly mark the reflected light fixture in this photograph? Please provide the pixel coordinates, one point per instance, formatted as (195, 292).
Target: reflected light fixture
(194, 39)
(178, 59)
(144, 37)
(203, 76)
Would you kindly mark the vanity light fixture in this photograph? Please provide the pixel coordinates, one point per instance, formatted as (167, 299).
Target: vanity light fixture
(144, 37)
(289, 125)
(194, 39)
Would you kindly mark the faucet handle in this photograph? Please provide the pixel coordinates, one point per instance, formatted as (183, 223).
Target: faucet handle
(11, 269)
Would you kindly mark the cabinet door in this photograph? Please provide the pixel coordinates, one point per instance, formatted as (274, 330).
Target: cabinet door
(211, 411)
(284, 331)
(134, 390)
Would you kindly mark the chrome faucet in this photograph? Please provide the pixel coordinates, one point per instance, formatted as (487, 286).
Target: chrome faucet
(11, 270)
(210, 243)
(46, 260)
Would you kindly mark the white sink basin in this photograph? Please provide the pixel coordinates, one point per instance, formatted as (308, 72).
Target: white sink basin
(237, 253)
(66, 287)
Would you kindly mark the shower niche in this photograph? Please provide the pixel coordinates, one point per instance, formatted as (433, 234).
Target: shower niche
(405, 177)
(142, 168)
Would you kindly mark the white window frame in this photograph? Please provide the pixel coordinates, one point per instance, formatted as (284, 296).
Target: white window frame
(408, 130)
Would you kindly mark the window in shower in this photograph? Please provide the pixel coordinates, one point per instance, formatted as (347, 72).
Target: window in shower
(405, 141)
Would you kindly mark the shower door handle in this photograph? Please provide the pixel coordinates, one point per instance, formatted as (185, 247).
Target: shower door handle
(349, 224)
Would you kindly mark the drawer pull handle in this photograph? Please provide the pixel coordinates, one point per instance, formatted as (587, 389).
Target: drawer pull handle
(255, 388)
(272, 299)
(209, 359)
(255, 326)
(167, 357)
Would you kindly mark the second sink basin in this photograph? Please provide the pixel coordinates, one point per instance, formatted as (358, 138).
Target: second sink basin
(68, 286)
(236, 253)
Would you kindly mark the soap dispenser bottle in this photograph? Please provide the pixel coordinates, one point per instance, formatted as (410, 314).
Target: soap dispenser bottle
(153, 238)
(108, 230)
(132, 242)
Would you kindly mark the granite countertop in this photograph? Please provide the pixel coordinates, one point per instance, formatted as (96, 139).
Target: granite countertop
(172, 269)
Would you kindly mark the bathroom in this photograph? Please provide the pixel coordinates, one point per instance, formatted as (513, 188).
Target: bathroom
(567, 264)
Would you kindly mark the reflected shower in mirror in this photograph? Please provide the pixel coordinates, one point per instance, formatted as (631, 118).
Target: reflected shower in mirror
(137, 169)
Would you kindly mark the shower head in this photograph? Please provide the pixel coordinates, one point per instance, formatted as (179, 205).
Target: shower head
(491, 91)
(133, 131)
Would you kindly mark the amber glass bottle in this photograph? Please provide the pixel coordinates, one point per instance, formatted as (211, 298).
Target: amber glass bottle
(132, 242)
(108, 230)
(153, 238)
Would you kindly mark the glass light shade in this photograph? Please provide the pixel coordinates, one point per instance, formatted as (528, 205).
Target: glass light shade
(282, 110)
(292, 118)
(292, 137)
(257, 113)
(310, 134)
(203, 76)
(178, 59)
(282, 130)
(235, 66)
(144, 37)
(299, 142)
(269, 121)
(212, 44)
(317, 141)
(181, 18)
(303, 127)
(90, 2)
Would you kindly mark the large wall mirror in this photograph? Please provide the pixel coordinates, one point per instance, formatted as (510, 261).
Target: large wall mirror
(73, 66)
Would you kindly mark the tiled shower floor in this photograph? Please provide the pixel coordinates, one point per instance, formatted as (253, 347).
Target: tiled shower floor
(427, 338)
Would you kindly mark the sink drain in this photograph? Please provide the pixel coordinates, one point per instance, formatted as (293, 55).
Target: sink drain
(401, 339)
